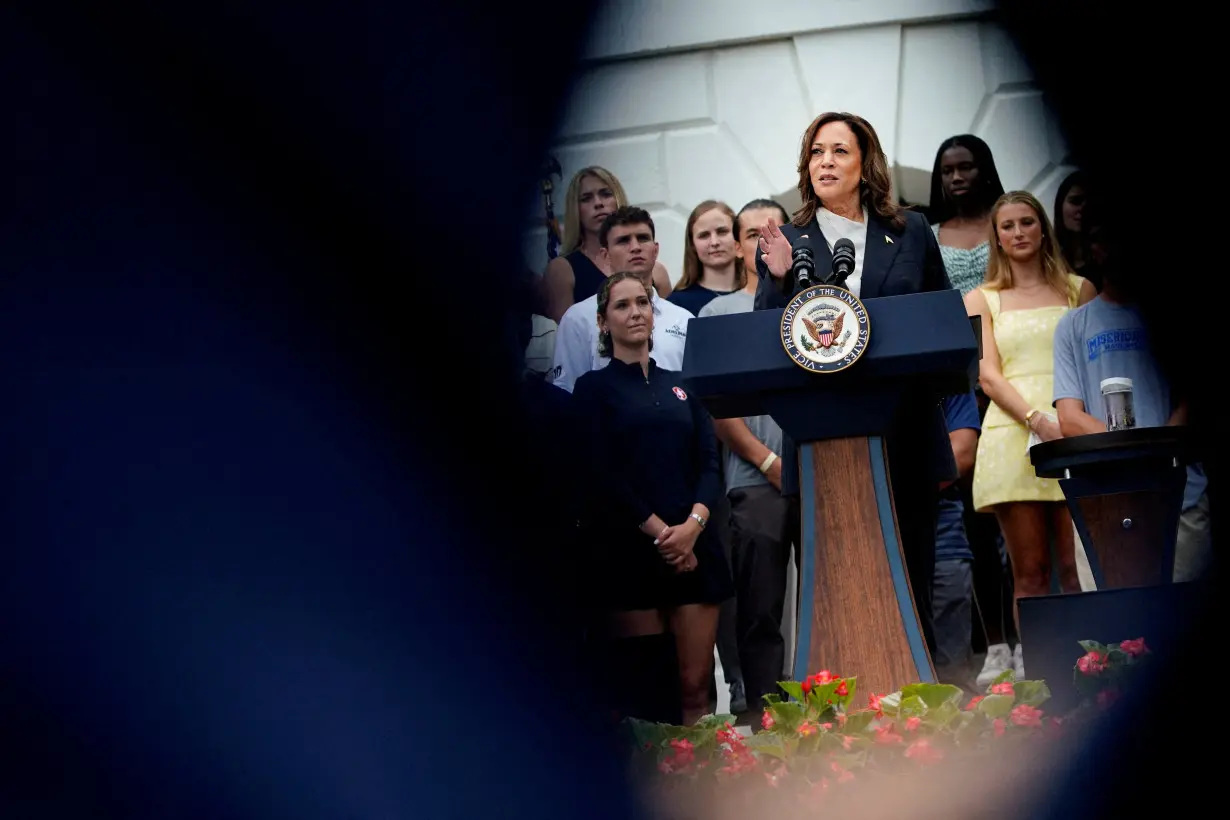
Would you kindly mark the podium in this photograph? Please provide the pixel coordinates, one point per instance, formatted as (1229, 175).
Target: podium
(856, 609)
(1125, 492)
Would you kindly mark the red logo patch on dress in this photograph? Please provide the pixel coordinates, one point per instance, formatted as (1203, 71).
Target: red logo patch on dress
(679, 394)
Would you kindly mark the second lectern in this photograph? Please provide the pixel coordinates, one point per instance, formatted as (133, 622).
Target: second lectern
(834, 373)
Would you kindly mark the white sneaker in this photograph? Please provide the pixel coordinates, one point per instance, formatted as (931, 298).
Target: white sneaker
(999, 660)
(1019, 663)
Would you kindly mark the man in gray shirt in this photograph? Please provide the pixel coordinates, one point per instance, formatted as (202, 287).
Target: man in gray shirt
(762, 522)
(1106, 338)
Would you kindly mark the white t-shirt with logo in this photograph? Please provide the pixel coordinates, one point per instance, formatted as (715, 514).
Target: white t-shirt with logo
(576, 340)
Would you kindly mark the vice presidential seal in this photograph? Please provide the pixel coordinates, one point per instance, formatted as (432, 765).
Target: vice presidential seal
(825, 329)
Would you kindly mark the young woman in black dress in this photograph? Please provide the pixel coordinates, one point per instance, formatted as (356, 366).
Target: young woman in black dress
(658, 571)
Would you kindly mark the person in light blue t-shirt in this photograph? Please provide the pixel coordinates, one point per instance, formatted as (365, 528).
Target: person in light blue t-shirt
(1106, 338)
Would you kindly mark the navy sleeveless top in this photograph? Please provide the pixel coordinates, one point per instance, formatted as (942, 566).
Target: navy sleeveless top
(587, 278)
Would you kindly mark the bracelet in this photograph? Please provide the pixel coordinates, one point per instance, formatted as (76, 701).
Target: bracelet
(1029, 418)
(768, 462)
(698, 520)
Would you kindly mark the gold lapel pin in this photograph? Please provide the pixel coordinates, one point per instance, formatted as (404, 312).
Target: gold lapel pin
(888, 240)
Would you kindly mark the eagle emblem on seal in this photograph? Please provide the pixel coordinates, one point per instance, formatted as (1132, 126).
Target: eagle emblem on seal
(825, 331)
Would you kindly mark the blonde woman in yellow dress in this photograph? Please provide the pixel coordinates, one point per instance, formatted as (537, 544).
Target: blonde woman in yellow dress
(1028, 288)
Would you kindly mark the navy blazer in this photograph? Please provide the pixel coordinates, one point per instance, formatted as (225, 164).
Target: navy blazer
(898, 262)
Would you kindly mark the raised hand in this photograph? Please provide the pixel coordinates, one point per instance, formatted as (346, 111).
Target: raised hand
(775, 249)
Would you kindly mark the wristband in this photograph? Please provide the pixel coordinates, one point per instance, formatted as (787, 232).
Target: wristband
(768, 462)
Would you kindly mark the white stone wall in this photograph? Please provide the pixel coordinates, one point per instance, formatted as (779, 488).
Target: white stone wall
(684, 101)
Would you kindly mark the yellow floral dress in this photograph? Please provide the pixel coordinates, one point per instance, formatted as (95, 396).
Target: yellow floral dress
(1026, 342)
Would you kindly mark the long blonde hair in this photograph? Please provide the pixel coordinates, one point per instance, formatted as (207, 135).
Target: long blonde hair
(574, 232)
(692, 269)
(1055, 269)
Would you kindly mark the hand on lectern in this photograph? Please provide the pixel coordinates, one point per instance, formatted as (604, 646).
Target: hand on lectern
(775, 249)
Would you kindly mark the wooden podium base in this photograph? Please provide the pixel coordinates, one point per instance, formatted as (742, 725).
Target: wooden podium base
(856, 610)
(1128, 523)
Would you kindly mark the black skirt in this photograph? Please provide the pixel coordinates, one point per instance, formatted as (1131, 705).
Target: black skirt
(628, 573)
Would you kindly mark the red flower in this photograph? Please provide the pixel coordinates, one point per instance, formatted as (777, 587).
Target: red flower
(728, 734)
(973, 703)
(886, 736)
(805, 686)
(1091, 663)
(1002, 689)
(999, 726)
(922, 751)
(828, 727)
(1134, 648)
(873, 702)
(766, 720)
(1026, 715)
(807, 728)
(841, 689)
(681, 757)
(912, 723)
(824, 676)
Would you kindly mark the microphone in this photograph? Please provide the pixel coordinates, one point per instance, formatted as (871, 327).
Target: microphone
(843, 262)
(804, 266)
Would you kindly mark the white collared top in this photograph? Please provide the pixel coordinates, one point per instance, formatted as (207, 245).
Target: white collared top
(836, 227)
(576, 340)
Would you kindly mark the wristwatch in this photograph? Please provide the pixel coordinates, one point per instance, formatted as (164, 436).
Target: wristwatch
(698, 520)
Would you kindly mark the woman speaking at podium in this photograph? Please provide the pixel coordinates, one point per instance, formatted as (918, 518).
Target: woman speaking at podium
(846, 190)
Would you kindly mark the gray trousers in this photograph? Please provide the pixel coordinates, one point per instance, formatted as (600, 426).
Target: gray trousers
(761, 526)
(1193, 547)
(952, 604)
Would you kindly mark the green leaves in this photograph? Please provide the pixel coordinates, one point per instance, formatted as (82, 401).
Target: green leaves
(819, 735)
(792, 688)
(996, 706)
(1007, 676)
(933, 694)
(858, 722)
(1031, 692)
(787, 715)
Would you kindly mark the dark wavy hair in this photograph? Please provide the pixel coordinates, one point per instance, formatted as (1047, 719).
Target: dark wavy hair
(876, 188)
(605, 344)
(989, 188)
(1068, 241)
